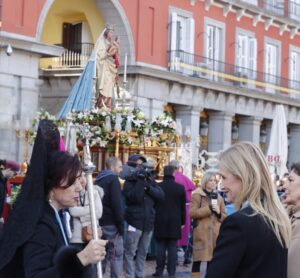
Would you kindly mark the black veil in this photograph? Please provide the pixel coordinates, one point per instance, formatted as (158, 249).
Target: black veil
(29, 205)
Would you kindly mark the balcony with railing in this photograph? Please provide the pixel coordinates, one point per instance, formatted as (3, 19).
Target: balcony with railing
(281, 8)
(231, 75)
(294, 9)
(74, 57)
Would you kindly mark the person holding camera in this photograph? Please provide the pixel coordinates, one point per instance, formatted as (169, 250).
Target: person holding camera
(207, 211)
(141, 194)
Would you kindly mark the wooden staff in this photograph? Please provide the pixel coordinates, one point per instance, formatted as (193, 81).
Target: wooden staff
(88, 168)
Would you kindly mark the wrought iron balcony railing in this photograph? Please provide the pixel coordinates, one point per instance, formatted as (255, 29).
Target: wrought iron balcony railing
(290, 8)
(216, 71)
(75, 57)
(294, 10)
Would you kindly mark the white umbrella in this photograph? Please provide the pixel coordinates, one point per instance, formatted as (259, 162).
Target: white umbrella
(278, 147)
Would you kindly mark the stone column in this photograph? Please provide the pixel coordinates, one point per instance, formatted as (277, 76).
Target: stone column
(249, 129)
(268, 129)
(219, 131)
(190, 117)
(294, 149)
(157, 108)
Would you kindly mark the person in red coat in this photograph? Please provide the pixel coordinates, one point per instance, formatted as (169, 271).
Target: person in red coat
(189, 188)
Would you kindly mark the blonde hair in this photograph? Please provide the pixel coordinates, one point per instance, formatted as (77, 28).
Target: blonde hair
(207, 176)
(247, 162)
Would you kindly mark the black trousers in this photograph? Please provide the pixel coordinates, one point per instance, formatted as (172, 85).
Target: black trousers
(163, 246)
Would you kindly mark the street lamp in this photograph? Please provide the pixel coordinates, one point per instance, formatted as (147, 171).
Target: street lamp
(204, 129)
(235, 133)
(263, 136)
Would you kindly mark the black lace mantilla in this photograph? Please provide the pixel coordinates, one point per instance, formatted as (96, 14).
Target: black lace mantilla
(30, 202)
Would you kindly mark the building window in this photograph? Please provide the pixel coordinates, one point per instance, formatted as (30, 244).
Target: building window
(275, 6)
(246, 56)
(294, 9)
(214, 44)
(182, 33)
(77, 38)
(253, 2)
(272, 64)
(294, 75)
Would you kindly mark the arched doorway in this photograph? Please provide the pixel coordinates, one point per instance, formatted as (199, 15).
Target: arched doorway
(92, 14)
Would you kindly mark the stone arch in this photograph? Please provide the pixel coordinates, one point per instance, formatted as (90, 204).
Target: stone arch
(113, 12)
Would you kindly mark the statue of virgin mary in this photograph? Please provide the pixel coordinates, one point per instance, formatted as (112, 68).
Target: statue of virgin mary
(106, 67)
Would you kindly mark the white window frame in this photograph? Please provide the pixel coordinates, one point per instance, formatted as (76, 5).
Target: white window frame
(277, 44)
(294, 8)
(186, 44)
(250, 61)
(222, 42)
(294, 69)
(253, 2)
(275, 6)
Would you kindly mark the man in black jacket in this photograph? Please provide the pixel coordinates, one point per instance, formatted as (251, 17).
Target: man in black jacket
(112, 220)
(170, 217)
(141, 194)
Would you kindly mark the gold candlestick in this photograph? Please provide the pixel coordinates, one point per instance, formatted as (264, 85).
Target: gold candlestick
(117, 143)
(178, 142)
(25, 137)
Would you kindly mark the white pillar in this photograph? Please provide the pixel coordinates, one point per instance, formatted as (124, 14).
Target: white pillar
(249, 129)
(294, 149)
(219, 131)
(190, 117)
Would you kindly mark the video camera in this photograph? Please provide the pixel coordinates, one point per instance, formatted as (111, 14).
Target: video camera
(145, 170)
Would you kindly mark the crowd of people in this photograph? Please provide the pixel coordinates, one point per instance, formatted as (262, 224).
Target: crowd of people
(48, 232)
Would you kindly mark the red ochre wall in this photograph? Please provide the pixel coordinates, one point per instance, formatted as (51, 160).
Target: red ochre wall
(149, 21)
(21, 16)
(149, 25)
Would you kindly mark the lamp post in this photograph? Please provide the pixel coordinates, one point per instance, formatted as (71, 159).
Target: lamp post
(187, 135)
(235, 133)
(178, 137)
(24, 135)
(203, 133)
(118, 128)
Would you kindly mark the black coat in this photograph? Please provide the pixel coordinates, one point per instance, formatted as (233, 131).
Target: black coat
(170, 213)
(2, 192)
(113, 213)
(44, 255)
(140, 198)
(247, 248)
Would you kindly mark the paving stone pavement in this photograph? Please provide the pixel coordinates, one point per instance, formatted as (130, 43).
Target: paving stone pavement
(182, 271)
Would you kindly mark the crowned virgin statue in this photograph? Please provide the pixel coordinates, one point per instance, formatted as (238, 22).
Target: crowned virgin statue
(107, 64)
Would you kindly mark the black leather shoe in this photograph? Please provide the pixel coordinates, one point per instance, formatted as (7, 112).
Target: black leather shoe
(156, 274)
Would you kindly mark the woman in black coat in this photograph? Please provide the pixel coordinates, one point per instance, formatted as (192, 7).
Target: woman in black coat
(169, 218)
(253, 241)
(34, 243)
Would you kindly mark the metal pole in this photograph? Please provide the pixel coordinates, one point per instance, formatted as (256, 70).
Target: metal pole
(89, 168)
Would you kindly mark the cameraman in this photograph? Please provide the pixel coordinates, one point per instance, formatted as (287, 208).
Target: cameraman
(141, 193)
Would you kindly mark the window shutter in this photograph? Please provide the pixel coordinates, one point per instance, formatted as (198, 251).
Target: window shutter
(241, 52)
(209, 42)
(191, 35)
(173, 32)
(253, 56)
(293, 66)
